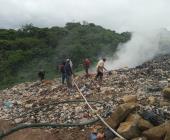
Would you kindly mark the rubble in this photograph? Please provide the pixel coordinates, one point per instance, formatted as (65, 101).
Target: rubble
(151, 100)
(166, 93)
(128, 96)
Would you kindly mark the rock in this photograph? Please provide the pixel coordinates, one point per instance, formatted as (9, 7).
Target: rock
(166, 93)
(155, 133)
(144, 124)
(120, 114)
(141, 123)
(129, 98)
(133, 117)
(128, 130)
(139, 138)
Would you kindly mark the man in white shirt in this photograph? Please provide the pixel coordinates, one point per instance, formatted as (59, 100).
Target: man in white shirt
(100, 68)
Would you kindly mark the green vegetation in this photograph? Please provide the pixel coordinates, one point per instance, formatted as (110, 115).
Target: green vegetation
(26, 50)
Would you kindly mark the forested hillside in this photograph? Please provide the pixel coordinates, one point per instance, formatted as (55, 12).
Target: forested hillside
(26, 50)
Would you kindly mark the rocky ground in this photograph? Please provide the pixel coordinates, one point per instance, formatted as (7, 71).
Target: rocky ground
(135, 102)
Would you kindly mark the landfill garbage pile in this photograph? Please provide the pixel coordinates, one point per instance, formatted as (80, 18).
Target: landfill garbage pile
(133, 101)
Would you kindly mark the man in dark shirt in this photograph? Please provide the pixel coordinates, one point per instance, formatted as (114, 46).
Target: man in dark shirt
(62, 70)
(41, 74)
(69, 73)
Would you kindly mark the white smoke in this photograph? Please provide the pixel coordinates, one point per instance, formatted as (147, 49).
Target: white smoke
(141, 16)
(143, 46)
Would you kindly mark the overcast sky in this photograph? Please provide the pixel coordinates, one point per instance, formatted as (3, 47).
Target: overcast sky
(120, 15)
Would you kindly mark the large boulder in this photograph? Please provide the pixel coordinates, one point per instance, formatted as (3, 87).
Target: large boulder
(166, 93)
(161, 132)
(144, 124)
(155, 133)
(141, 123)
(128, 130)
(120, 114)
(167, 127)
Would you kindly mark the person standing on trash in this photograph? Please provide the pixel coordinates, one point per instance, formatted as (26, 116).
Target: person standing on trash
(71, 64)
(62, 70)
(86, 64)
(41, 74)
(68, 72)
(100, 68)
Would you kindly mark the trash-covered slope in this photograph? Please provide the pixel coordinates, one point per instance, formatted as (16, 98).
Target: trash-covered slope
(143, 86)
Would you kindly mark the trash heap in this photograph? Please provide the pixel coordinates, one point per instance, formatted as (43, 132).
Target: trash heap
(135, 102)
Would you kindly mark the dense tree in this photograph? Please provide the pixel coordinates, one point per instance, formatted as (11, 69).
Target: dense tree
(24, 51)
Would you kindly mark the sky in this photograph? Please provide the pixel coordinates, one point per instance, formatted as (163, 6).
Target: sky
(145, 19)
(119, 15)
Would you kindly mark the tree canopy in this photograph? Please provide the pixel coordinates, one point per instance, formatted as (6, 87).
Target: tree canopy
(26, 50)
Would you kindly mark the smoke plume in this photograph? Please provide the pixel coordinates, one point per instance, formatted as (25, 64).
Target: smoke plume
(142, 47)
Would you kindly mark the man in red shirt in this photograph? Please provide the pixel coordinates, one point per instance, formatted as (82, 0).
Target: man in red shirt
(86, 66)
